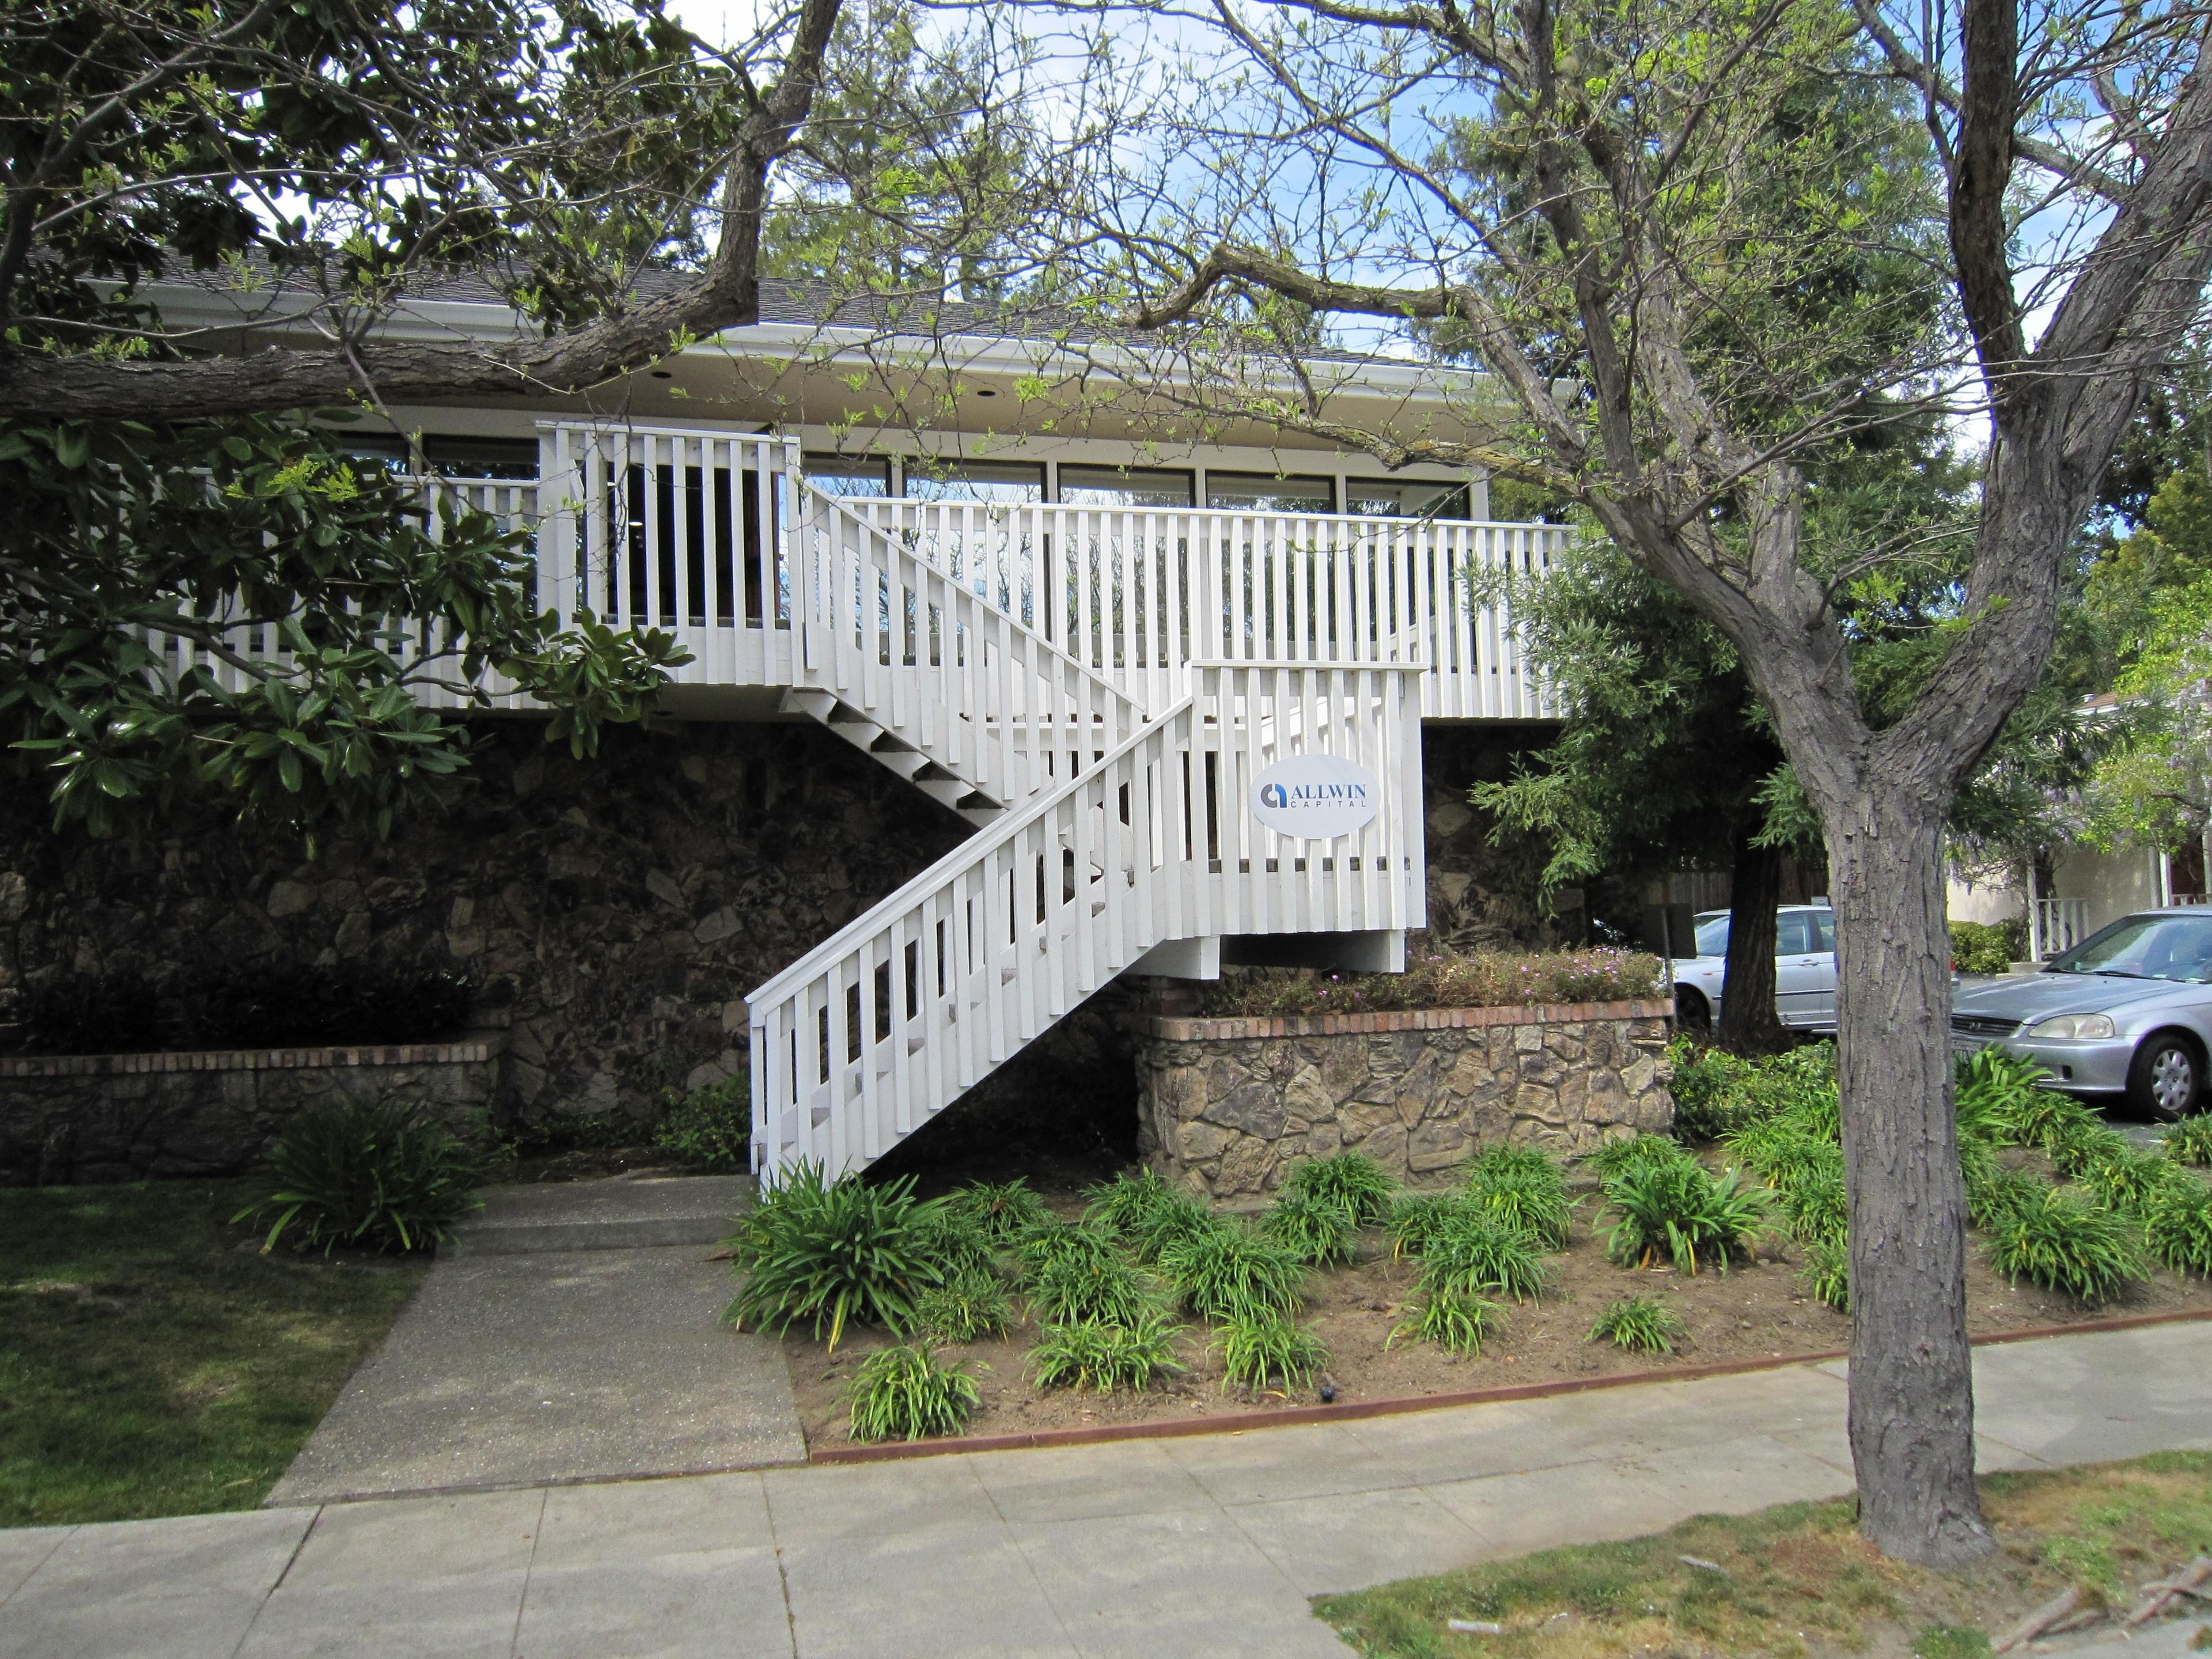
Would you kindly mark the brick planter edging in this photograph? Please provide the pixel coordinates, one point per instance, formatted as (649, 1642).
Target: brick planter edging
(1181, 1428)
(246, 1060)
(1183, 1030)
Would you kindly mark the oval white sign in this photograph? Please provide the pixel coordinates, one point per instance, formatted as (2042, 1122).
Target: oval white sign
(1315, 796)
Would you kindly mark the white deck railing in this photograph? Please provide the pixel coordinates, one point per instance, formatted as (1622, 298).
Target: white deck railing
(863, 1039)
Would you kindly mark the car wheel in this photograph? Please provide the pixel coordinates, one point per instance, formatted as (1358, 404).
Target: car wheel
(2165, 1077)
(1692, 1012)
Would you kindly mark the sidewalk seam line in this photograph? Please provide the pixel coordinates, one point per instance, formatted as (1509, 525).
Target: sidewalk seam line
(782, 1574)
(522, 1602)
(284, 1572)
(67, 1533)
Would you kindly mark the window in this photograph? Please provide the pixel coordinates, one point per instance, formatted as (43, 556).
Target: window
(375, 450)
(1125, 486)
(974, 481)
(1824, 929)
(481, 458)
(1256, 492)
(848, 474)
(1712, 935)
(1792, 937)
(1405, 498)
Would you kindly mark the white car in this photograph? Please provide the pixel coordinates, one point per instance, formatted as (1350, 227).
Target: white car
(1804, 968)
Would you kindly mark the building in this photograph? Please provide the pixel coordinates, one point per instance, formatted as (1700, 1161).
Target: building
(1106, 651)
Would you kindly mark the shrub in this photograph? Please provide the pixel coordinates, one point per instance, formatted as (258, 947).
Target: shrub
(710, 1129)
(1457, 1321)
(1043, 1247)
(831, 1251)
(1639, 1325)
(2077, 1146)
(1354, 1183)
(1987, 948)
(1105, 1357)
(369, 1177)
(1994, 1194)
(966, 1307)
(1618, 1156)
(1998, 1100)
(1313, 1229)
(1827, 1275)
(88, 1014)
(1481, 980)
(1075, 1289)
(1004, 1212)
(1682, 1213)
(2189, 1141)
(2176, 1224)
(1265, 1347)
(1718, 1094)
(1474, 1251)
(2128, 1180)
(1229, 1271)
(273, 1006)
(2063, 1242)
(1816, 1208)
(906, 1393)
(1706, 1086)
(1523, 1189)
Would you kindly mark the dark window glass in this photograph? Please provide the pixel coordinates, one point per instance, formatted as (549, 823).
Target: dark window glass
(1791, 936)
(481, 458)
(372, 450)
(974, 481)
(2146, 947)
(1405, 498)
(1125, 486)
(1824, 930)
(1256, 492)
(848, 474)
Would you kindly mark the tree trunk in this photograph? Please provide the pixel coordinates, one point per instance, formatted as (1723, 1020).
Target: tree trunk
(1749, 1025)
(1912, 1377)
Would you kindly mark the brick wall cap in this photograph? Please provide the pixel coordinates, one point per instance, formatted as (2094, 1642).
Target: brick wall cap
(1246, 1027)
(474, 1052)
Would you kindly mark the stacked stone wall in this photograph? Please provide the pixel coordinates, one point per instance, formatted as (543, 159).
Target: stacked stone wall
(1226, 1105)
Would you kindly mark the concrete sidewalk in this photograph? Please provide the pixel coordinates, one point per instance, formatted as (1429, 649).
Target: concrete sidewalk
(1205, 1546)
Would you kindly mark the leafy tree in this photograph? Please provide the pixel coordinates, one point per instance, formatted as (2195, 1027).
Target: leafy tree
(1627, 249)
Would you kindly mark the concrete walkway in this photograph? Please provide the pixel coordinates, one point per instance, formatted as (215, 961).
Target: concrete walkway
(1205, 1546)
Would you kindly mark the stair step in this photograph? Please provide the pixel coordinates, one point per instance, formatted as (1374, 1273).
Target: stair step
(618, 1214)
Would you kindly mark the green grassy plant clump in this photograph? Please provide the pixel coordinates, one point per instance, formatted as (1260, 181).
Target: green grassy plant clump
(2042, 1118)
(1456, 1320)
(1480, 980)
(1638, 1324)
(2063, 1240)
(1618, 1157)
(1231, 1272)
(2078, 1146)
(1417, 1218)
(1266, 1351)
(709, 1128)
(1311, 1229)
(1074, 1289)
(1003, 1211)
(2128, 1181)
(1146, 1213)
(367, 1177)
(1474, 1251)
(1683, 1214)
(1814, 1206)
(1827, 1274)
(1981, 947)
(1718, 1094)
(151, 1366)
(2189, 1141)
(966, 1308)
(2177, 1224)
(1354, 1183)
(832, 1252)
(1993, 1192)
(1998, 1100)
(1043, 1247)
(1521, 1187)
(1107, 1357)
(907, 1392)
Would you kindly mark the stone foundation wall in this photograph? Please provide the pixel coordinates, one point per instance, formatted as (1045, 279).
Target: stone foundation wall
(1226, 1105)
(126, 1117)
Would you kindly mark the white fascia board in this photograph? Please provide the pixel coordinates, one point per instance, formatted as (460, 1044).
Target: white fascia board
(434, 321)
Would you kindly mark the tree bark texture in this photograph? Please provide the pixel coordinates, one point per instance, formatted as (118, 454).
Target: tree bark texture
(1911, 1409)
(1748, 1022)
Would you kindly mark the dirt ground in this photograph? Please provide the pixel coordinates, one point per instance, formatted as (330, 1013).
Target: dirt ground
(1758, 1310)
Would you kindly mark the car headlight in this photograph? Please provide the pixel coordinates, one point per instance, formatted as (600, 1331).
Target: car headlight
(2072, 1025)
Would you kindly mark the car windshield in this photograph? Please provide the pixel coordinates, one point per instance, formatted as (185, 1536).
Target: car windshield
(2146, 947)
(1712, 937)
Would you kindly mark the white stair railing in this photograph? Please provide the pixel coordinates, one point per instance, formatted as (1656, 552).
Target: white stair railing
(866, 1037)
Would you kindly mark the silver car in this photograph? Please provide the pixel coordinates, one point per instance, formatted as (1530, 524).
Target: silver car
(1804, 968)
(2129, 1010)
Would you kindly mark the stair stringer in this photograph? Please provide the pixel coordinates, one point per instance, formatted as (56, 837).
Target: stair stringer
(932, 680)
(861, 1041)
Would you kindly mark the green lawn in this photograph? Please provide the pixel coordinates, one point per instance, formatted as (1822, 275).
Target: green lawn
(1798, 1582)
(152, 1363)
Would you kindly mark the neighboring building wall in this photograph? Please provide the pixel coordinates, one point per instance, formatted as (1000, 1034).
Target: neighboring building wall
(1228, 1104)
(2112, 883)
(1987, 901)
